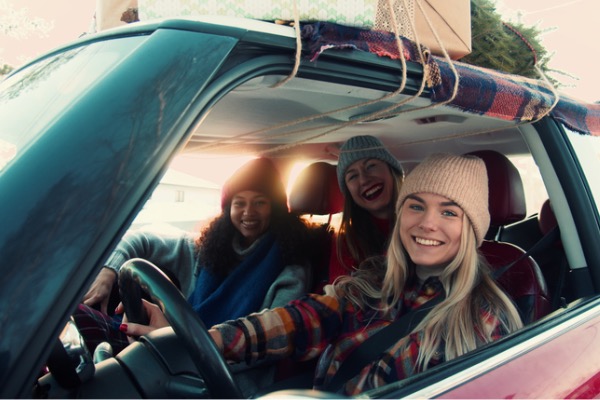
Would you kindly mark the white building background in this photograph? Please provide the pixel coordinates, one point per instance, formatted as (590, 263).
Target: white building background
(180, 202)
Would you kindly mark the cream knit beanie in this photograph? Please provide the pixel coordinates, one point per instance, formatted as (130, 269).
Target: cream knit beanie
(462, 179)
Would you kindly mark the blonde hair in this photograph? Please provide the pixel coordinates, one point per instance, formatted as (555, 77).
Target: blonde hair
(456, 322)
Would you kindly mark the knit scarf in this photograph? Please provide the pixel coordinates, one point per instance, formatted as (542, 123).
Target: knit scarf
(217, 299)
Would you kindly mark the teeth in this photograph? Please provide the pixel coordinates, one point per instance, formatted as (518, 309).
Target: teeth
(250, 224)
(372, 191)
(427, 242)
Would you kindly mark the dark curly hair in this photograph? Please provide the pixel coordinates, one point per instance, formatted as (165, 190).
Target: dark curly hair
(215, 244)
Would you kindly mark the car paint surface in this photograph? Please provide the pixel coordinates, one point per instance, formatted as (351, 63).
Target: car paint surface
(560, 363)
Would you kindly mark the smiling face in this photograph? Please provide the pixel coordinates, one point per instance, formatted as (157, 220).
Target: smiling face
(430, 229)
(370, 182)
(250, 214)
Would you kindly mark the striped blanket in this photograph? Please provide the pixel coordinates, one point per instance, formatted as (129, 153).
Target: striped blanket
(481, 91)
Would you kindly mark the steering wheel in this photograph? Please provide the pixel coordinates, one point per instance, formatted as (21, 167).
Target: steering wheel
(139, 273)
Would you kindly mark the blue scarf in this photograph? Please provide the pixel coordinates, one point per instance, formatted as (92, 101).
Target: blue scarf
(217, 299)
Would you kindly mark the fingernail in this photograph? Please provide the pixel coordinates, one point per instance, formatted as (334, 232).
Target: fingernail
(123, 328)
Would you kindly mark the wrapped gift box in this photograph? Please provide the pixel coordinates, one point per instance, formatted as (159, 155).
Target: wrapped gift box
(452, 22)
(357, 13)
(451, 19)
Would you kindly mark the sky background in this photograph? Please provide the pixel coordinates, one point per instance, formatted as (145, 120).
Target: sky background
(573, 31)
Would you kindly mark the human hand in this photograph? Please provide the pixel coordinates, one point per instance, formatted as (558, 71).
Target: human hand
(155, 315)
(100, 290)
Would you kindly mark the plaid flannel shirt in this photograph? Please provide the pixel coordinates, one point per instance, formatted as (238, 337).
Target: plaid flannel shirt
(332, 328)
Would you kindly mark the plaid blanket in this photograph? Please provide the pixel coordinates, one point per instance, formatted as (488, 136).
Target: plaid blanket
(481, 91)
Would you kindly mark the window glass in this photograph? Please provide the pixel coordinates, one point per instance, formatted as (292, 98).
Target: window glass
(33, 96)
(535, 190)
(587, 148)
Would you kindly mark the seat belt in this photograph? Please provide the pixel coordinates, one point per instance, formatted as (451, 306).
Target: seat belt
(544, 242)
(371, 349)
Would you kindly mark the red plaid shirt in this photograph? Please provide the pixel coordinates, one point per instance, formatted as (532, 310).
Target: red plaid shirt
(332, 328)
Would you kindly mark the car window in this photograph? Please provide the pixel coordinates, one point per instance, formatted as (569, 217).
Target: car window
(535, 190)
(189, 193)
(587, 148)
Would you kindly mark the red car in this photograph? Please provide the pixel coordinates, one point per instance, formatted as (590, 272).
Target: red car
(88, 130)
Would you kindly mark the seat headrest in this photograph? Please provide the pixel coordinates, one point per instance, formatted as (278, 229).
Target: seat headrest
(506, 196)
(316, 191)
(546, 217)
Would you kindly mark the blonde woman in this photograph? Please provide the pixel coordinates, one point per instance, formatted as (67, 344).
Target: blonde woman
(442, 219)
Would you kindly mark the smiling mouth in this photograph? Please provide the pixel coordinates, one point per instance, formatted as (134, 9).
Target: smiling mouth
(427, 242)
(250, 224)
(373, 192)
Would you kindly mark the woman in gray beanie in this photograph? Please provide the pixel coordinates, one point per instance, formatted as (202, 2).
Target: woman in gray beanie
(442, 218)
(369, 177)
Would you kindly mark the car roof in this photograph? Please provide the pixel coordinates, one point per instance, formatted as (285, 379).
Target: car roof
(297, 119)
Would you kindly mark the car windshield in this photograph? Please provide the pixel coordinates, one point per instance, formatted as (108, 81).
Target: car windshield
(31, 98)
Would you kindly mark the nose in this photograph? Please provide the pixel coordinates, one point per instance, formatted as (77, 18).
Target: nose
(249, 209)
(363, 177)
(429, 221)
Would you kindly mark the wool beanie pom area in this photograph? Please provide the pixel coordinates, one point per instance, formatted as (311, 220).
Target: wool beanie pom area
(259, 175)
(462, 179)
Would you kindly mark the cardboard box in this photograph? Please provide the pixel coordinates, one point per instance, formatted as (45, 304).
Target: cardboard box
(451, 20)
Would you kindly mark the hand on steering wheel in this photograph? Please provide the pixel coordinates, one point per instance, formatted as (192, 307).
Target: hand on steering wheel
(156, 320)
(185, 322)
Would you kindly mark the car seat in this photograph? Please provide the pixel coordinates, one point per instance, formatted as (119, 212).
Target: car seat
(552, 260)
(523, 281)
(316, 192)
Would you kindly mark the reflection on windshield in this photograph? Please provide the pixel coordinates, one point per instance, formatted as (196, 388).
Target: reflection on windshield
(7, 152)
(34, 96)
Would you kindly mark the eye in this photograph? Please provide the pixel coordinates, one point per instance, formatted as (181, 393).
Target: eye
(449, 213)
(415, 206)
(374, 164)
(350, 177)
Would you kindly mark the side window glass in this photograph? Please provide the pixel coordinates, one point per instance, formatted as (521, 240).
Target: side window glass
(535, 190)
(587, 148)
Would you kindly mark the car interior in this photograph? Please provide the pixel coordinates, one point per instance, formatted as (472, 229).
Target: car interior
(297, 122)
(410, 134)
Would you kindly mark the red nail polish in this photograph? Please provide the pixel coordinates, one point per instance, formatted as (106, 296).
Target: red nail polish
(123, 328)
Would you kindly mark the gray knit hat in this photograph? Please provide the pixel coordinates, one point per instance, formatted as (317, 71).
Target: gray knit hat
(462, 179)
(359, 147)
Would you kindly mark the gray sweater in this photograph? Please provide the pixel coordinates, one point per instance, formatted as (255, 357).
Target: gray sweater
(177, 255)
